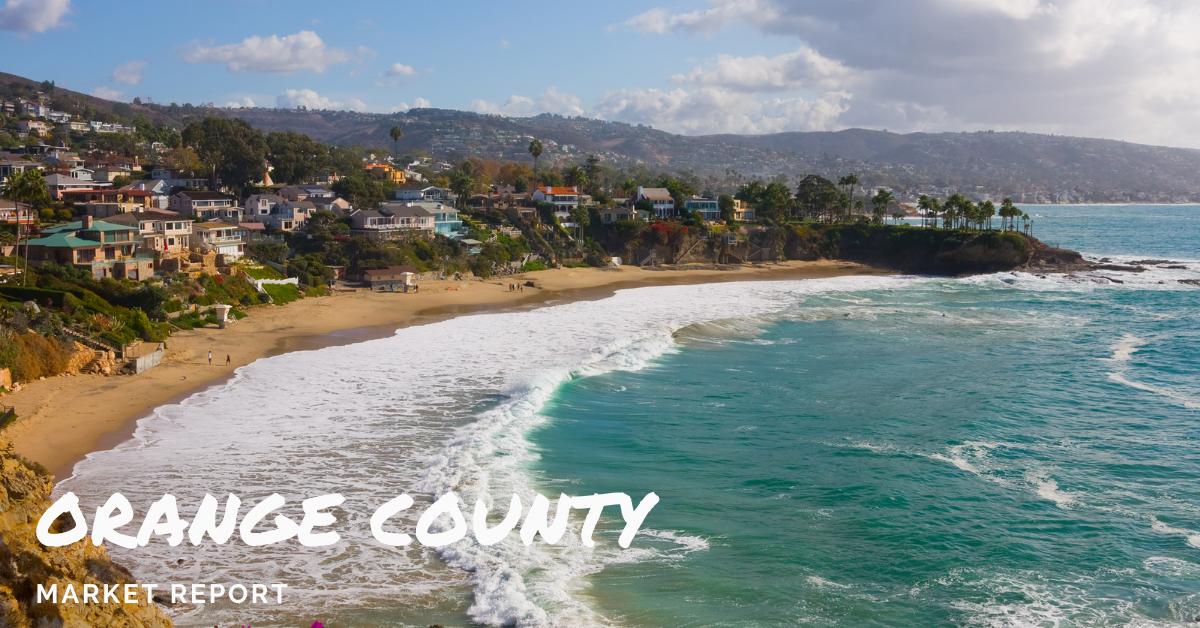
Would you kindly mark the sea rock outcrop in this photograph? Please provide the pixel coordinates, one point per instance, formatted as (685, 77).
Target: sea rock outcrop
(25, 563)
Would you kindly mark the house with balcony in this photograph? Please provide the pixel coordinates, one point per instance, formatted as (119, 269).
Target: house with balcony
(664, 203)
(10, 166)
(446, 220)
(621, 212)
(163, 232)
(108, 202)
(742, 212)
(562, 198)
(12, 212)
(312, 193)
(709, 208)
(37, 127)
(56, 184)
(103, 249)
(199, 204)
(219, 237)
(257, 205)
(391, 221)
(175, 179)
(288, 215)
(385, 172)
(422, 193)
(160, 191)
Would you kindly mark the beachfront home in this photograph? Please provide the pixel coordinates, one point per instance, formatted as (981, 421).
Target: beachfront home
(288, 215)
(390, 221)
(197, 204)
(742, 212)
(561, 198)
(12, 212)
(620, 212)
(445, 218)
(709, 208)
(103, 249)
(392, 276)
(664, 203)
(159, 231)
(220, 237)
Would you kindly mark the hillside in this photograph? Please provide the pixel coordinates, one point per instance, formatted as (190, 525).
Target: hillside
(1028, 167)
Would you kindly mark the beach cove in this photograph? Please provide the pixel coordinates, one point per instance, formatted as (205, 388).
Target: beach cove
(62, 419)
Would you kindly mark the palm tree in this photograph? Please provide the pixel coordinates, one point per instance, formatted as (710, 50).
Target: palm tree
(535, 149)
(882, 199)
(24, 187)
(396, 134)
(1008, 214)
(986, 211)
(576, 177)
(849, 181)
(926, 204)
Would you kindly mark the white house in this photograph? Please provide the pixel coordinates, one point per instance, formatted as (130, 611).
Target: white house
(562, 198)
(664, 203)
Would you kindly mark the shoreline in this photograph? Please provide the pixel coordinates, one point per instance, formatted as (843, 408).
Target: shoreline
(63, 419)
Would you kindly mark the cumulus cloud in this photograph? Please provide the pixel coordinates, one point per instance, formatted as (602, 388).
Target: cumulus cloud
(399, 69)
(301, 52)
(709, 110)
(805, 68)
(309, 99)
(129, 73)
(419, 103)
(1108, 68)
(37, 16)
(108, 94)
(246, 103)
(550, 101)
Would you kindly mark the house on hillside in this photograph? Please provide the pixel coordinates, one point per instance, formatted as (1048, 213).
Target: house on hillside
(422, 193)
(12, 212)
(199, 204)
(219, 237)
(390, 221)
(390, 277)
(56, 184)
(109, 202)
(159, 231)
(288, 215)
(742, 212)
(664, 203)
(101, 248)
(562, 198)
(709, 208)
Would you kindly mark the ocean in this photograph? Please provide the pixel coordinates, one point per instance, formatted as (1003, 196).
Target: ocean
(1000, 450)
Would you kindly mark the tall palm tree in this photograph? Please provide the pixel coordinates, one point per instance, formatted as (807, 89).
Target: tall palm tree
(535, 149)
(396, 134)
(1008, 214)
(576, 177)
(882, 199)
(849, 181)
(24, 187)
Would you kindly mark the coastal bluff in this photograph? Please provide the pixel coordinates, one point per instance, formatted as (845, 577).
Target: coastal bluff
(25, 491)
(932, 251)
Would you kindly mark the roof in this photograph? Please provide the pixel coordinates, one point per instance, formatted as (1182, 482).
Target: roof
(300, 204)
(205, 196)
(274, 198)
(253, 226)
(63, 240)
(62, 179)
(214, 225)
(390, 270)
(128, 218)
(656, 193)
(121, 191)
(553, 190)
(400, 209)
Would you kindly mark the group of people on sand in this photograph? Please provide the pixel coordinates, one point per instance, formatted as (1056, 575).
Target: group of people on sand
(516, 287)
(228, 359)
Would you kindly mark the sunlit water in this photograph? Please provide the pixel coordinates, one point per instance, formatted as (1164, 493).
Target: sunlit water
(1006, 450)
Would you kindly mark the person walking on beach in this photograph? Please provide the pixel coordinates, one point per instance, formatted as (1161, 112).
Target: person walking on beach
(228, 360)
(210, 357)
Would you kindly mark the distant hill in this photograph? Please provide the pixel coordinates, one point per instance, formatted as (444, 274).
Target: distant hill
(1026, 166)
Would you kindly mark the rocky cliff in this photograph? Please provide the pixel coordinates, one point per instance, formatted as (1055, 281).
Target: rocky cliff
(25, 563)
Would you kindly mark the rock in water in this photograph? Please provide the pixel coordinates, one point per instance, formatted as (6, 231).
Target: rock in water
(25, 563)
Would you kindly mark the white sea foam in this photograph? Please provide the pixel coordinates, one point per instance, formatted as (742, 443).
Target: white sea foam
(403, 414)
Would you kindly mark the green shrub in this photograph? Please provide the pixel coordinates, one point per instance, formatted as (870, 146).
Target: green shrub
(282, 294)
(535, 265)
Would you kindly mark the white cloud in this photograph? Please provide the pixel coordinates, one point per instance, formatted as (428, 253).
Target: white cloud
(419, 103)
(399, 69)
(129, 73)
(246, 103)
(293, 98)
(36, 16)
(302, 52)
(804, 68)
(505, 44)
(1106, 68)
(108, 94)
(708, 110)
(551, 101)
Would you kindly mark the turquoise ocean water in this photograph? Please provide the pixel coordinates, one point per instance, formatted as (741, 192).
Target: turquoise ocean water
(1004, 450)
(1007, 450)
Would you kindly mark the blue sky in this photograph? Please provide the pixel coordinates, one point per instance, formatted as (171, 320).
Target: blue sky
(1123, 69)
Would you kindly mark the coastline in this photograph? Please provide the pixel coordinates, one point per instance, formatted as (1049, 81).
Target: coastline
(63, 419)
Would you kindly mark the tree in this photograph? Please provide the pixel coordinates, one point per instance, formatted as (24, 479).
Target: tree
(580, 216)
(927, 205)
(848, 182)
(816, 198)
(463, 185)
(576, 177)
(879, 204)
(954, 209)
(24, 187)
(396, 133)
(777, 202)
(363, 192)
(295, 157)
(234, 151)
(1008, 215)
(728, 206)
(183, 159)
(987, 209)
(535, 149)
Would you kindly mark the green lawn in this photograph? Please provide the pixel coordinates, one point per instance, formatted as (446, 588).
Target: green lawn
(266, 272)
(282, 293)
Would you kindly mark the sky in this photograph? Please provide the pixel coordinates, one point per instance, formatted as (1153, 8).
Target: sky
(1117, 69)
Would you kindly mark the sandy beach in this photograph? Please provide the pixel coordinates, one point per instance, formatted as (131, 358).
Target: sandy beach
(62, 419)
